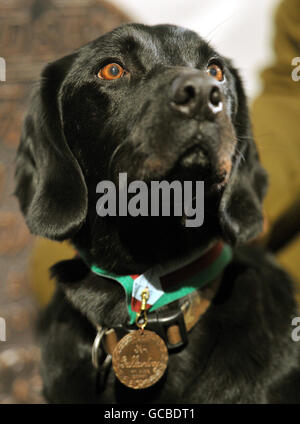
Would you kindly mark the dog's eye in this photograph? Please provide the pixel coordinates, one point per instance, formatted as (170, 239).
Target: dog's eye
(215, 71)
(111, 71)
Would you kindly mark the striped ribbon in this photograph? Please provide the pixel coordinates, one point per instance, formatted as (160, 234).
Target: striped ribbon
(172, 281)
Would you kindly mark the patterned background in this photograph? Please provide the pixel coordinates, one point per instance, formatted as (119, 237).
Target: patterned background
(32, 33)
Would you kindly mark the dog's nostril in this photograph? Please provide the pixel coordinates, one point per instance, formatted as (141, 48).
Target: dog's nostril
(190, 92)
(215, 96)
(185, 95)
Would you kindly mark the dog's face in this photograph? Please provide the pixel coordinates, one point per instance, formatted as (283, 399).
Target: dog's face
(154, 102)
(148, 100)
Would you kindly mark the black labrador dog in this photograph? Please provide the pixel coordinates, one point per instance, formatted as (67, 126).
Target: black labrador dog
(158, 103)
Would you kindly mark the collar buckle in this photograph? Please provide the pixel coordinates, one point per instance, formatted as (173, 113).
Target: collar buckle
(170, 328)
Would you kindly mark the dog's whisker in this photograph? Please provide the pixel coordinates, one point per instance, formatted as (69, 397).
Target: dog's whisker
(242, 137)
(213, 32)
(240, 154)
(113, 156)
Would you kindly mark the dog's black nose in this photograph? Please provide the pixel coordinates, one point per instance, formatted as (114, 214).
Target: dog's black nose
(194, 93)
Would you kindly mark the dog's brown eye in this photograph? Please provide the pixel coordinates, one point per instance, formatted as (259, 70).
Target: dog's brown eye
(111, 71)
(215, 71)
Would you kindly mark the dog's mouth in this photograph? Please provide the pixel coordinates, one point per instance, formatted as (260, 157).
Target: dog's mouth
(197, 163)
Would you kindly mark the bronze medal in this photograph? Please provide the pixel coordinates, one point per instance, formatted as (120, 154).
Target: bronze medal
(140, 359)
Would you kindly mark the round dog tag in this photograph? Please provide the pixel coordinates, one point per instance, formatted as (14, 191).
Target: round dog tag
(140, 359)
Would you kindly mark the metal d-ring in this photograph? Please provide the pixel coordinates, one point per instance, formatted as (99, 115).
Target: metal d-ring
(96, 346)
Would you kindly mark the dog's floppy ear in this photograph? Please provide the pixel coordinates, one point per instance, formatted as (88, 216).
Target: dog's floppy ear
(240, 214)
(49, 182)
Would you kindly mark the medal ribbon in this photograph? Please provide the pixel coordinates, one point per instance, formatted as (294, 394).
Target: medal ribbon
(172, 281)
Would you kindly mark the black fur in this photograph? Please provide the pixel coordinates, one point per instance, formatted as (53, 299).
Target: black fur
(81, 130)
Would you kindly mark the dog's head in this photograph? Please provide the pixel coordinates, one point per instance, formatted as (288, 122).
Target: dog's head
(154, 102)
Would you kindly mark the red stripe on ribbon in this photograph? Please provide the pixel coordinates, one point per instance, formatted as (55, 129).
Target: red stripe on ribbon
(184, 273)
